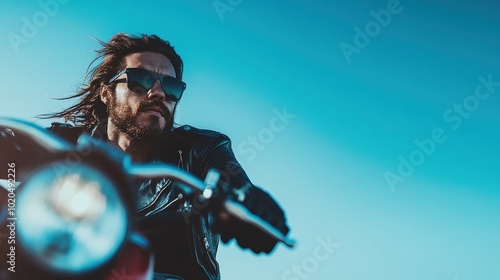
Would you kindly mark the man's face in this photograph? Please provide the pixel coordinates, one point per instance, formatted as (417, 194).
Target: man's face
(142, 115)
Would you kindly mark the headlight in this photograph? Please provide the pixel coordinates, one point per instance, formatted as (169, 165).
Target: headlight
(70, 221)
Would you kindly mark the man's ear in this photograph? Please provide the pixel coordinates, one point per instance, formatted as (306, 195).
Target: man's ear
(105, 94)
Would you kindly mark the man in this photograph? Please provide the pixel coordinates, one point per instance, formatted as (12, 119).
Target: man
(130, 101)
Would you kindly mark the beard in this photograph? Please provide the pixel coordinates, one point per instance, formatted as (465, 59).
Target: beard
(125, 119)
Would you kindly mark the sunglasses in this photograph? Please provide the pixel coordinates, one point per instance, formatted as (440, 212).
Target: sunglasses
(142, 80)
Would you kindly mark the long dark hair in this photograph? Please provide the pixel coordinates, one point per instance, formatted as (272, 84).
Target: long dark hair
(90, 110)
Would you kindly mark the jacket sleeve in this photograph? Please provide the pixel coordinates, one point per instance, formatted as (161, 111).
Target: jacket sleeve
(220, 156)
(255, 199)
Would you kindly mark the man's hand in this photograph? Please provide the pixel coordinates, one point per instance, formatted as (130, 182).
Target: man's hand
(261, 204)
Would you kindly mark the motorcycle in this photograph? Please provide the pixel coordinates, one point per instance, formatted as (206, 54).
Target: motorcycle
(66, 210)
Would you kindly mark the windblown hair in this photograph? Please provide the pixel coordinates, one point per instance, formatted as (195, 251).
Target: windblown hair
(90, 110)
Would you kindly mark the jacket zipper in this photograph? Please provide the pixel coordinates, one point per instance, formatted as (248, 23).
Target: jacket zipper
(209, 252)
(164, 207)
(156, 198)
(181, 163)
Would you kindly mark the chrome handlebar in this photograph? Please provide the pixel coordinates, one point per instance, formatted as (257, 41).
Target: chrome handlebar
(207, 189)
(54, 144)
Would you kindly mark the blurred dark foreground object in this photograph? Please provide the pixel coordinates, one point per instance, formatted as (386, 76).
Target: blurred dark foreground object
(74, 219)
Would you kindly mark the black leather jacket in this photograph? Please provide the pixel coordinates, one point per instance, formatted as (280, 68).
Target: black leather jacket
(181, 233)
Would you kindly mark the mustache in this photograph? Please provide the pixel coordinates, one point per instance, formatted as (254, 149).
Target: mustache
(152, 103)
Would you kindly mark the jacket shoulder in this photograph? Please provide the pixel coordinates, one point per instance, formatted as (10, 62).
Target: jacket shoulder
(190, 132)
(197, 138)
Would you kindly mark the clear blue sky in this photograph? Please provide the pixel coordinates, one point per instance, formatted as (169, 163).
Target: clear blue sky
(367, 100)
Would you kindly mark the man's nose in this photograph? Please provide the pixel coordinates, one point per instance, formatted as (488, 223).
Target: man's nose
(156, 91)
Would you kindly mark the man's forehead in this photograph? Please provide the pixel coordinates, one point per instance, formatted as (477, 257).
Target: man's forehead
(152, 61)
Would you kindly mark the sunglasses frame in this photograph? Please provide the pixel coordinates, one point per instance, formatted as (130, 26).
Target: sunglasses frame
(156, 76)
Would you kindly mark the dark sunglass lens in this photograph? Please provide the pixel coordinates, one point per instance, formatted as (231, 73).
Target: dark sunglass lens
(140, 80)
(171, 97)
(136, 87)
(172, 87)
